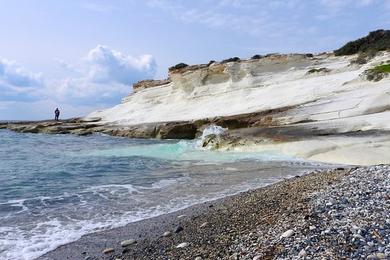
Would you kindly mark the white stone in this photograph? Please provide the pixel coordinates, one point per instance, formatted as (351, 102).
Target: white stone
(182, 245)
(128, 242)
(302, 253)
(287, 234)
(167, 234)
(204, 224)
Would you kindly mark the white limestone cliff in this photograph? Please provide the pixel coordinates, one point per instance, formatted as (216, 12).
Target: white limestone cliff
(339, 97)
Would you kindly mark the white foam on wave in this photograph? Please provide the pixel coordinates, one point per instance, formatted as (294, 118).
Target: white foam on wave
(112, 188)
(48, 235)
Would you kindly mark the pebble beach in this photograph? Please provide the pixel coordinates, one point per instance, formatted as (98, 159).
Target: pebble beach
(341, 213)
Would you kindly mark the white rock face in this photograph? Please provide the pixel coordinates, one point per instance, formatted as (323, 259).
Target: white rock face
(340, 96)
(341, 100)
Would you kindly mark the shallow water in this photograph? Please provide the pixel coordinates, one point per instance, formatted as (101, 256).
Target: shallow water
(56, 188)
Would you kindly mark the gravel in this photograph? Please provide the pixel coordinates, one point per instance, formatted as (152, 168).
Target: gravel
(348, 220)
(338, 213)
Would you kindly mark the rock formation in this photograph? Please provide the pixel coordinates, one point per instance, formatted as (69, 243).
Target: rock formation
(278, 100)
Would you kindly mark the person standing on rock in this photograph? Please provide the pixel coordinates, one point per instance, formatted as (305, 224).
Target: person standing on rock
(56, 114)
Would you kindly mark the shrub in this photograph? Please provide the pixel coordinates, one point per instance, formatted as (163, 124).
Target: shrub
(178, 66)
(325, 70)
(256, 57)
(364, 57)
(385, 68)
(231, 59)
(375, 41)
(378, 73)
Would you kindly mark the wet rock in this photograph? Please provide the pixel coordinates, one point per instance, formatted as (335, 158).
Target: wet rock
(128, 242)
(178, 229)
(186, 130)
(108, 250)
(167, 234)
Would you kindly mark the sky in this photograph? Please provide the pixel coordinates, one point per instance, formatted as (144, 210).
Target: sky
(84, 55)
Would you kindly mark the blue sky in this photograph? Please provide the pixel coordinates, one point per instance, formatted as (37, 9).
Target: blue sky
(82, 55)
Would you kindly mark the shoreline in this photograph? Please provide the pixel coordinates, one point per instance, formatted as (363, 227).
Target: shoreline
(301, 142)
(227, 219)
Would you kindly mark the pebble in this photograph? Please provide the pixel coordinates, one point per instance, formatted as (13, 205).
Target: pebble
(178, 229)
(181, 216)
(198, 258)
(108, 250)
(347, 218)
(128, 242)
(302, 253)
(287, 234)
(182, 245)
(167, 234)
(204, 224)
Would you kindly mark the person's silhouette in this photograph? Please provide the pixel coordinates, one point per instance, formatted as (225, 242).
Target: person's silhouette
(56, 114)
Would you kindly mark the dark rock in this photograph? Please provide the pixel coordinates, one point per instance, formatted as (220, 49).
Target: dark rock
(177, 131)
(210, 62)
(209, 140)
(234, 59)
(178, 229)
(256, 57)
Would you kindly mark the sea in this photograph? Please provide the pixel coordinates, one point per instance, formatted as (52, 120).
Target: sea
(56, 188)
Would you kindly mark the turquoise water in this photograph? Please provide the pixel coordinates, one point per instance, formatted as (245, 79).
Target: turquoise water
(56, 188)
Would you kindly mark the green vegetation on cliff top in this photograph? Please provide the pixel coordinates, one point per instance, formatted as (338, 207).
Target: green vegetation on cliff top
(375, 41)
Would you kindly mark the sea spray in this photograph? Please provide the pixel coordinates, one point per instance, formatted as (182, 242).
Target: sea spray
(210, 131)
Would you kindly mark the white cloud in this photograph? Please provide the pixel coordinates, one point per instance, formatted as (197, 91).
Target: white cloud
(110, 66)
(104, 76)
(16, 82)
(14, 74)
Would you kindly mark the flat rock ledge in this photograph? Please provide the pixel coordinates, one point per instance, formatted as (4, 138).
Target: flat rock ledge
(161, 130)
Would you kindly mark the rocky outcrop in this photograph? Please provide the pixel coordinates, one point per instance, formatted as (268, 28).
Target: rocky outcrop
(144, 84)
